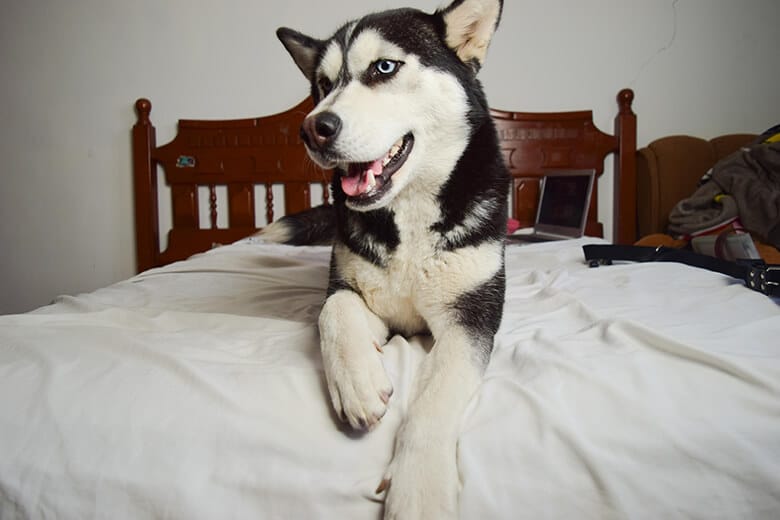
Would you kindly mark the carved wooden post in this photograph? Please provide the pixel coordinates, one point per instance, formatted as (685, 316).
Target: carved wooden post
(624, 204)
(147, 237)
(213, 206)
(269, 203)
(326, 193)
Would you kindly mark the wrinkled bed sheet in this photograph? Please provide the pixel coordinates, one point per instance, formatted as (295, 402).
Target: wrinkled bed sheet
(196, 391)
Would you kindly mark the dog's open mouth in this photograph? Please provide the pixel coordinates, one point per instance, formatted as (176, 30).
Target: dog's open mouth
(366, 181)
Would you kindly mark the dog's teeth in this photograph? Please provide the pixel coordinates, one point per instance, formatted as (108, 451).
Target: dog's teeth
(389, 157)
(370, 178)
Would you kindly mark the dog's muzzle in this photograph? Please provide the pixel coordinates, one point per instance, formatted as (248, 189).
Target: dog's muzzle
(365, 182)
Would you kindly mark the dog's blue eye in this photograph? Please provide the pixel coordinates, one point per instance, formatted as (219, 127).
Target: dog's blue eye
(381, 70)
(386, 66)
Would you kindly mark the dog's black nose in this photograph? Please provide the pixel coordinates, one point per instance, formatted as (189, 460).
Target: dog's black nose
(320, 130)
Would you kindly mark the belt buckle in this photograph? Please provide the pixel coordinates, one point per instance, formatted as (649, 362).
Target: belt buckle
(767, 282)
(758, 278)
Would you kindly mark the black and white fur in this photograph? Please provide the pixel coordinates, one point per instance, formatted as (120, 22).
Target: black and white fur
(418, 223)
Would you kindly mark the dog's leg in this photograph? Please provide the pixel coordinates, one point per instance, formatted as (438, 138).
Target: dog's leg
(462, 302)
(351, 337)
(423, 475)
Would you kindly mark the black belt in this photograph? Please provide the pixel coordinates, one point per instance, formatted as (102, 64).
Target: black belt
(756, 274)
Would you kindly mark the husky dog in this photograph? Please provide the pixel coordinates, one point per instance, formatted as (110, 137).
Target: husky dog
(417, 224)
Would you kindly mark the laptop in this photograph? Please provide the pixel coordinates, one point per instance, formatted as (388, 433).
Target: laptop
(564, 199)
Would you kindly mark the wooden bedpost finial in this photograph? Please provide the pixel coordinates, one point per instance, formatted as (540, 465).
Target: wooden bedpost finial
(143, 107)
(624, 99)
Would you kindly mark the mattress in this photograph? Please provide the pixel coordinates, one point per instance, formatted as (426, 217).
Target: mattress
(196, 391)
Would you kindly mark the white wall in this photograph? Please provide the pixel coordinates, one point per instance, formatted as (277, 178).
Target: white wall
(70, 72)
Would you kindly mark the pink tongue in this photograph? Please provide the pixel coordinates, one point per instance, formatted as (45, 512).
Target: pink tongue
(361, 182)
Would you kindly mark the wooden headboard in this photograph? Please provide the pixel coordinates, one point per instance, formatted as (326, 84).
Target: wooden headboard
(242, 154)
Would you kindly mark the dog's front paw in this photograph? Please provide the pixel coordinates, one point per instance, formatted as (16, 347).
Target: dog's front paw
(422, 484)
(358, 384)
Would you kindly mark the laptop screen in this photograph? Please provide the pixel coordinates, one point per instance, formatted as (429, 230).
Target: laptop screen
(564, 201)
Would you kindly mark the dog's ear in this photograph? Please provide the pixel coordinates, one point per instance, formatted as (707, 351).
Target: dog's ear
(470, 25)
(302, 48)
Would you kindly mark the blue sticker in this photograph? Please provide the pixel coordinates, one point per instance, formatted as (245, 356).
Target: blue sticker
(185, 161)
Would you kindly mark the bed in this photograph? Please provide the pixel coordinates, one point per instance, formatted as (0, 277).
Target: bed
(195, 389)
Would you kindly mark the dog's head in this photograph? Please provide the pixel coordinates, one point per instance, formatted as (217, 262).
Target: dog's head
(393, 94)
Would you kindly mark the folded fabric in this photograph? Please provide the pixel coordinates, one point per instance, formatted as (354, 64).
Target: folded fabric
(707, 210)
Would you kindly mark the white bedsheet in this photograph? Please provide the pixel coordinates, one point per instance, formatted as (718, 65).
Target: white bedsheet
(196, 391)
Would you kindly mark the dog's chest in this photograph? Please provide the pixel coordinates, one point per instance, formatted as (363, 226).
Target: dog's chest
(418, 281)
(395, 291)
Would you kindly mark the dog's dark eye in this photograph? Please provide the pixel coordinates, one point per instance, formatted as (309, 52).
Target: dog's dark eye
(325, 85)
